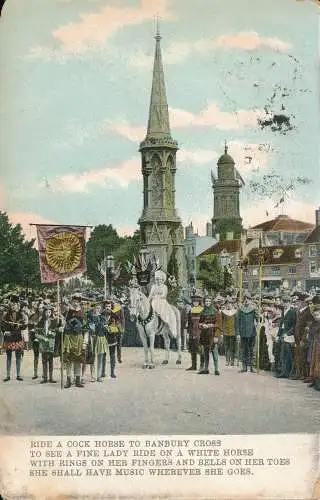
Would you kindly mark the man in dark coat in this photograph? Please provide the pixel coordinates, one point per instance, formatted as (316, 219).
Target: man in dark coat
(300, 370)
(13, 322)
(314, 334)
(208, 331)
(181, 306)
(194, 330)
(286, 337)
(246, 329)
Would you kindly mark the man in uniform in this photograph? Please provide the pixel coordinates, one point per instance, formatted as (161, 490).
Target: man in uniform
(194, 330)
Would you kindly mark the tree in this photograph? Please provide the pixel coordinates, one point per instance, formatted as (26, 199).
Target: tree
(106, 241)
(211, 274)
(19, 260)
(174, 289)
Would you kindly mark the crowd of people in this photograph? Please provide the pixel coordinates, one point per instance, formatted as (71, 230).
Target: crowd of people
(288, 343)
(285, 339)
(81, 333)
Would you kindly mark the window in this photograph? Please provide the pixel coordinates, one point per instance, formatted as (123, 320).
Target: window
(313, 267)
(312, 251)
(275, 271)
(292, 270)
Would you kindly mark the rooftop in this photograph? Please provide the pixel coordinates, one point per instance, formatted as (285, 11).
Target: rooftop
(286, 224)
(231, 246)
(314, 236)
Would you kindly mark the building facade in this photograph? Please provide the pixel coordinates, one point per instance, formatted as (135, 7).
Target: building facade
(226, 221)
(194, 246)
(312, 256)
(160, 226)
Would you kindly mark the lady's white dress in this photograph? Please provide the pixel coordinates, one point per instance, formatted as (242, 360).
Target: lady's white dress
(158, 299)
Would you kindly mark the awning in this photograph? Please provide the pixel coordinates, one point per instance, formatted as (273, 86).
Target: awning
(272, 278)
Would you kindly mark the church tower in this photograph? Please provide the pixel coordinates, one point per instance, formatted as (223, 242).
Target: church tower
(226, 221)
(160, 225)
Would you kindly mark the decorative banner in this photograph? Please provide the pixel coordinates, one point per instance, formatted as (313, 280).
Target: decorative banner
(61, 251)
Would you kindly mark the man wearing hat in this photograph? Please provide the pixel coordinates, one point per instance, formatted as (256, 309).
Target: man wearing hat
(183, 321)
(300, 368)
(112, 329)
(46, 336)
(73, 344)
(228, 313)
(118, 311)
(193, 329)
(286, 336)
(209, 325)
(314, 334)
(13, 322)
(246, 331)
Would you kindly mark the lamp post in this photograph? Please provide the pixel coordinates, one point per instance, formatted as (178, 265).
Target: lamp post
(227, 271)
(110, 268)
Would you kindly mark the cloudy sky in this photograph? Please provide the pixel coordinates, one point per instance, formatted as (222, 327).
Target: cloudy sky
(75, 89)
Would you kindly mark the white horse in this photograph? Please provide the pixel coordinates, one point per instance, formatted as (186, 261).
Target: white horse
(150, 324)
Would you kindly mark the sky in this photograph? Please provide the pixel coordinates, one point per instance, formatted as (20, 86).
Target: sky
(75, 90)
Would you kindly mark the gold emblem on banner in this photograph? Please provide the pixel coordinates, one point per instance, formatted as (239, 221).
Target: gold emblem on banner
(64, 252)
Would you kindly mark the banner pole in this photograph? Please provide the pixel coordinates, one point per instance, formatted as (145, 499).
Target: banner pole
(62, 337)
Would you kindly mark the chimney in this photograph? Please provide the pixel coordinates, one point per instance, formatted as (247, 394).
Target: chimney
(318, 217)
(208, 229)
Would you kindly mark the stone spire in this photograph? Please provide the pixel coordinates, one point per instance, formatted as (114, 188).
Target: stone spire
(158, 123)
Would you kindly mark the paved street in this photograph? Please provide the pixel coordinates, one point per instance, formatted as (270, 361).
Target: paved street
(166, 400)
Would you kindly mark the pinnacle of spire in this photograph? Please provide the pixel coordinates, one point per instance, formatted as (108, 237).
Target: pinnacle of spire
(225, 147)
(158, 122)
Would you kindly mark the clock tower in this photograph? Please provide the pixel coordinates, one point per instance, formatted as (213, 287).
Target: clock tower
(160, 225)
(226, 221)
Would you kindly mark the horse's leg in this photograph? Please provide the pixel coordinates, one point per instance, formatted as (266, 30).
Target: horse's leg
(178, 362)
(166, 339)
(151, 348)
(145, 345)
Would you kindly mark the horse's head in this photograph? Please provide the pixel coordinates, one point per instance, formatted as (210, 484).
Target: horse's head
(134, 303)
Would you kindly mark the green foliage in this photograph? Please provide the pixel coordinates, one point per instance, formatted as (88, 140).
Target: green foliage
(105, 241)
(172, 270)
(211, 274)
(19, 260)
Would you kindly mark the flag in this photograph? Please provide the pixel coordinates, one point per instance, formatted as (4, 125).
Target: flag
(61, 251)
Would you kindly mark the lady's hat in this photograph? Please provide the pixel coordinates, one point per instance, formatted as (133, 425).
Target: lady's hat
(160, 274)
(196, 296)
